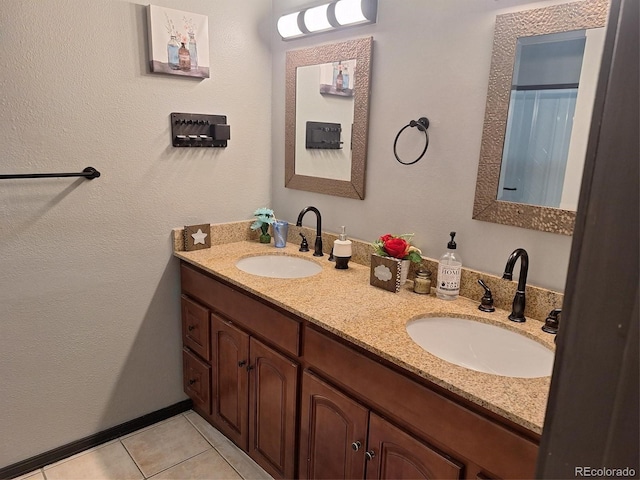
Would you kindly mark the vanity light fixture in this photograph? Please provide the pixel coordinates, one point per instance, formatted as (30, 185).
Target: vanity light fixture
(326, 17)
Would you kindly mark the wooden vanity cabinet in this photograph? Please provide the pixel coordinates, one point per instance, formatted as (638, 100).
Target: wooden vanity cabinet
(251, 385)
(333, 432)
(340, 438)
(393, 453)
(230, 381)
(254, 397)
(448, 434)
(196, 354)
(303, 402)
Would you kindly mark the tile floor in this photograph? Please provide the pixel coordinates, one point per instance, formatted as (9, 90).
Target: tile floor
(181, 447)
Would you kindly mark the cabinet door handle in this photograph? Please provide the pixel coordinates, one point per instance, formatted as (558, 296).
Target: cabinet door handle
(192, 381)
(370, 454)
(242, 363)
(191, 328)
(250, 367)
(356, 445)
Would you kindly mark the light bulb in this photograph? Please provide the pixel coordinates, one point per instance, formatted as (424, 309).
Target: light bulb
(288, 25)
(315, 18)
(349, 11)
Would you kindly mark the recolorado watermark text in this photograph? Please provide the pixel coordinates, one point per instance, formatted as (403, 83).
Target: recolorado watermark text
(586, 471)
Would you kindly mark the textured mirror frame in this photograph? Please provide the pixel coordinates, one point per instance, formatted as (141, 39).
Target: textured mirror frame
(360, 50)
(509, 27)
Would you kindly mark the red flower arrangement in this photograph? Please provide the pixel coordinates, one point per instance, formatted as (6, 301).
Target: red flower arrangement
(397, 246)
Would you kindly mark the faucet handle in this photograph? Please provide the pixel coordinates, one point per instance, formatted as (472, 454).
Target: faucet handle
(552, 321)
(486, 304)
(304, 245)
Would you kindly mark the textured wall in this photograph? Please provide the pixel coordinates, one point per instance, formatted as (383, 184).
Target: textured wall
(89, 303)
(429, 59)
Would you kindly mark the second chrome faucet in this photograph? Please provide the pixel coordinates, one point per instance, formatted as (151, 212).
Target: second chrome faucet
(519, 300)
(317, 251)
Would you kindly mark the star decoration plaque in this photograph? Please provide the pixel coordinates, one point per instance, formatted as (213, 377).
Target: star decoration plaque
(197, 237)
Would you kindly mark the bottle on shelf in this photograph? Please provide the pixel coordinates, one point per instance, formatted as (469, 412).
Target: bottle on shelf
(340, 81)
(172, 53)
(184, 59)
(193, 51)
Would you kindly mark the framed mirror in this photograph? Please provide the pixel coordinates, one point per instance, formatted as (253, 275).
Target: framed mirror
(536, 128)
(327, 118)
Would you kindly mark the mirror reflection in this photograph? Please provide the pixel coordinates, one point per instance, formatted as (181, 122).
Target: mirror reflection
(545, 141)
(324, 95)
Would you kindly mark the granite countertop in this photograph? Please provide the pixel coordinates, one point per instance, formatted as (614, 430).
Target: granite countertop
(343, 302)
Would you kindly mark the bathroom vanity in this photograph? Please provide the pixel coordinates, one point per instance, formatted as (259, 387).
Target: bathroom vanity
(317, 377)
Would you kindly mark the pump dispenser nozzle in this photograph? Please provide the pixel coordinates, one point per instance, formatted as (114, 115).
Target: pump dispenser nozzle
(452, 244)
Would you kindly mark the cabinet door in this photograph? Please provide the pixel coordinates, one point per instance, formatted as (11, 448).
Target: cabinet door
(195, 327)
(333, 430)
(273, 381)
(230, 380)
(195, 378)
(397, 455)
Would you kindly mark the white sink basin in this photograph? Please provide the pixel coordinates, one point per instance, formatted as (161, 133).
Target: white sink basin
(482, 347)
(278, 266)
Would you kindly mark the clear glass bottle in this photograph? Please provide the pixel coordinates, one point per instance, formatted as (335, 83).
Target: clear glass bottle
(345, 78)
(172, 53)
(193, 51)
(184, 59)
(449, 271)
(422, 282)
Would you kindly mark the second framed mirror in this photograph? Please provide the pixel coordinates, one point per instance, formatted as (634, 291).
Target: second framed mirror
(327, 118)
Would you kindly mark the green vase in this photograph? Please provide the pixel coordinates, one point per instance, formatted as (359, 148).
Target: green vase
(265, 238)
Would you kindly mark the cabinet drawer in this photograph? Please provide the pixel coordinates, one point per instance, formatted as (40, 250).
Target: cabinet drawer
(196, 376)
(251, 314)
(473, 436)
(195, 327)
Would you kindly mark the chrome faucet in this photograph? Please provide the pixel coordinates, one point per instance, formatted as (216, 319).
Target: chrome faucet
(318, 245)
(519, 301)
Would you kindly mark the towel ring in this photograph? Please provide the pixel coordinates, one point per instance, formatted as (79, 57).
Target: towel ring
(422, 123)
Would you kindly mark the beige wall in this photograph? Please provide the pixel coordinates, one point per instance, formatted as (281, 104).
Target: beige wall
(430, 58)
(89, 306)
(89, 292)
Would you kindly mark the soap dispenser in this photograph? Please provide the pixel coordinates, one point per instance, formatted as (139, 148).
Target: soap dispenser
(342, 251)
(449, 271)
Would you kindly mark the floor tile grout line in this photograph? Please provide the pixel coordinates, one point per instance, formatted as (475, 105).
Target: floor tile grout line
(213, 446)
(229, 463)
(179, 463)
(132, 459)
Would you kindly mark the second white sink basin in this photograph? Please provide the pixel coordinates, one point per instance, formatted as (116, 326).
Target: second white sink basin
(482, 347)
(278, 266)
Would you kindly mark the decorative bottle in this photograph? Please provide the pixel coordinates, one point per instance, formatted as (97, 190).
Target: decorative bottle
(449, 271)
(172, 53)
(337, 66)
(193, 51)
(345, 78)
(339, 81)
(184, 58)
